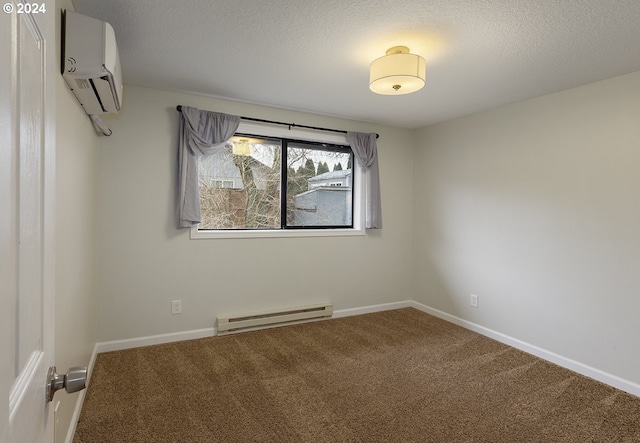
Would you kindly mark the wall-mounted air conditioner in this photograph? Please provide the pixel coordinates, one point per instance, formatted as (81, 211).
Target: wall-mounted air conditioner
(92, 64)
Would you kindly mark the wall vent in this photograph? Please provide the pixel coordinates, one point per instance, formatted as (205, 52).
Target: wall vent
(272, 319)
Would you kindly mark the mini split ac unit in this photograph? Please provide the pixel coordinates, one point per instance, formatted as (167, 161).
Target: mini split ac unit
(92, 64)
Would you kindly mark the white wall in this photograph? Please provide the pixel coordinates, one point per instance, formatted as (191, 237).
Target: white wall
(144, 262)
(535, 208)
(76, 144)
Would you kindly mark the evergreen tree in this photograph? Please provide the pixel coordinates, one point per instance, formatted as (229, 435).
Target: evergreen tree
(323, 167)
(349, 165)
(337, 167)
(310, 168)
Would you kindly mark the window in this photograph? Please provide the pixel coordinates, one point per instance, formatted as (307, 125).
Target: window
(222, 183)
(258, 183)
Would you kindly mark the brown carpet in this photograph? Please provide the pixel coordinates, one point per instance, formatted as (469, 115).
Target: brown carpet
(394, 376)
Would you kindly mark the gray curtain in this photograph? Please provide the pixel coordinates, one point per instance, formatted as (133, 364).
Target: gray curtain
(366, 152)
(201, 133)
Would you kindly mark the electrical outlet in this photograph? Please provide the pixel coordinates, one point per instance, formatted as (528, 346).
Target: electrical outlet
(176, 307)
(473, 301)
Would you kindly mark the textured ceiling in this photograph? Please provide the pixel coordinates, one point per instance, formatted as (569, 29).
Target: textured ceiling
(314, 55)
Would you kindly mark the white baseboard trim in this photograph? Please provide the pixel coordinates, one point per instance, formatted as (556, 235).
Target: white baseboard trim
(373, 308)
(580, 368)
(118, 345)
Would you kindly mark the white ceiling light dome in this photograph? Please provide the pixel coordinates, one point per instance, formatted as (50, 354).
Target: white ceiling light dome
(397, 73)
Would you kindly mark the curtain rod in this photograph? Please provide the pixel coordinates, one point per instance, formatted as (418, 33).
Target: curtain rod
(290, 125)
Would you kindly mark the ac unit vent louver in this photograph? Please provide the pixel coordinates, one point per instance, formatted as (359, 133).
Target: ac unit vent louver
(82, 83)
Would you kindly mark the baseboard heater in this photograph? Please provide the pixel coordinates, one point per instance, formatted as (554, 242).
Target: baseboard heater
(273, 319)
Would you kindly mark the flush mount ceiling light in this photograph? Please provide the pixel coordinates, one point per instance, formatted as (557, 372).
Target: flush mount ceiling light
(399, 72)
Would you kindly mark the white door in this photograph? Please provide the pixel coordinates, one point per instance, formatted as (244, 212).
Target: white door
(27, 190)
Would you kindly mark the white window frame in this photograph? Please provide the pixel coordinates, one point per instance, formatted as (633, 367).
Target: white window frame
(307, 135)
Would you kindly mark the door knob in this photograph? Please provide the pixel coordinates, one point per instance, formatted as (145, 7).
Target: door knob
(74, 380)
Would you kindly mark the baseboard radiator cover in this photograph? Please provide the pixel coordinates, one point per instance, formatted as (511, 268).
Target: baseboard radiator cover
(273, 319)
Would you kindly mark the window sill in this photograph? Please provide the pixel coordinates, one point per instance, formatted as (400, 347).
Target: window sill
(275, 233)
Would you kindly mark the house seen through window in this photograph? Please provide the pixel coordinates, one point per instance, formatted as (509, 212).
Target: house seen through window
(257, 183)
